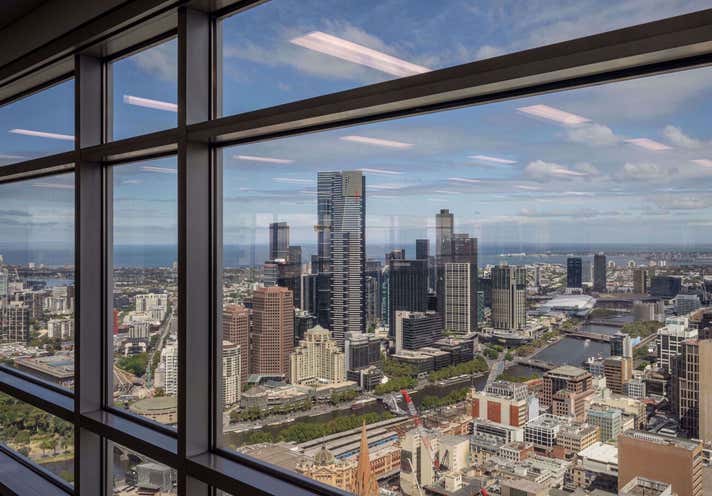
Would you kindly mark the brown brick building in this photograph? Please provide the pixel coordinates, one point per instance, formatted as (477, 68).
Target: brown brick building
(272, 330)
(236, 329)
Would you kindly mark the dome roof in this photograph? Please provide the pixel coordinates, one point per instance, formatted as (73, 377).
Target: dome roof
(324, 457)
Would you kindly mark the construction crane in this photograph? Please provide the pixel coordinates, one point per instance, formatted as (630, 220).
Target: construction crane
(421, 430)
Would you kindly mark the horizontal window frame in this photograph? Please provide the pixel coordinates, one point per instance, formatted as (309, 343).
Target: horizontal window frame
(26, 478)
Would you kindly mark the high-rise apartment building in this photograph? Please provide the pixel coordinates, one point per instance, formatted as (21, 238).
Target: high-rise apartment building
(317, 359)
(599, 273)
(169, 364)
(574, 272)
(408, 288)
(15, 323)
(640, 280)
(279, 241)
(675, 461)
(509, 294)
(236, 329)
(231, 369)
(341, 213)
(272, 331)
(670, 338)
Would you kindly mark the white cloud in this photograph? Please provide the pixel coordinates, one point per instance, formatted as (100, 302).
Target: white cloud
(540, 170)
(646, 171)
(488, 51)
(677, 137)
(592, 134)
(160, 61)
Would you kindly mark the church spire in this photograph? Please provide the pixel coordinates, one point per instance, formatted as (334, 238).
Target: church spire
(365, 483)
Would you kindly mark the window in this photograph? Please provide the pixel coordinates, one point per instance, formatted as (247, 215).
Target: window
(287, 50)
(43, 438)
(133, 473)
(145, 91)
(39, 124)
(361, 261)
(144, 332)
(37, 278)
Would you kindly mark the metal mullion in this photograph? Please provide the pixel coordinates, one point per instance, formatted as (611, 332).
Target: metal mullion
(42, 166)
(195, 294)
(145, 142)
(54, 402)
(89, 364)
(36, 89)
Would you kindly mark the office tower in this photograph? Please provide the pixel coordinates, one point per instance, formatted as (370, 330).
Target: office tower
(502, 402)
(457, 299)
(272, 330)
(365, 483)
(169, 364)
(279, 241)
(705, 384)
(618, 371)
(341, 247)
(665, 286)
(509, 297)
(15, 323)
(672, 460)
(608, 420)
(408, 288)
(295, 255)
(285, 274)
(317, 359)
(231, 368)
(586, 271)
(236, 329)
(686, 303)
(685, 391)
(485, 285)
(457, 284)
(397, 254)
(309, 293)
(599, 273)
(574, 272)
(621, 345)
(444, 225)
(374, 278)
(415, 330)
(422, 249)
(640, 280)
(361, 350)
(303, 321)
(4, 285)
(670, 338)
(566, 390)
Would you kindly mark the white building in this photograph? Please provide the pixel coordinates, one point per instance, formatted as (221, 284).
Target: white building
(417, 457)
(670, 339)
(231, 361)
(139, 330)
(60, 328)
(169, 360)
(317, 359)
(151, 301)
(454, 452)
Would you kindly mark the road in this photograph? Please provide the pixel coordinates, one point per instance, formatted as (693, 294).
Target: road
(168, 327)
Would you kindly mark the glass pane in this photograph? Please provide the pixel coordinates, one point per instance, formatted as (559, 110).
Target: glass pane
(145, 256)
(133, 473)
(145, 91)
(288, 50)
(37, 125)
(37, 277)
(43, 438)
(512, 241)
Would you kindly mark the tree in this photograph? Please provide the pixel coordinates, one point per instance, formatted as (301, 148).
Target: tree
(47, 444)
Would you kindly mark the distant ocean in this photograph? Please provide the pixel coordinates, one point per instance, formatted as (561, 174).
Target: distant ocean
(242, 255)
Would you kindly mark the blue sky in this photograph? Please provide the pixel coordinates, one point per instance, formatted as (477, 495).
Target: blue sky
(578, 182)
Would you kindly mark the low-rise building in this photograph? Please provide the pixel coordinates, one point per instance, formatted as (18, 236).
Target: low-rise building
(596, 467)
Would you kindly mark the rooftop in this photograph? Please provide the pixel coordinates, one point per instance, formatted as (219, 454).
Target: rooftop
(601, 452)
(566, 371)
(661, 440)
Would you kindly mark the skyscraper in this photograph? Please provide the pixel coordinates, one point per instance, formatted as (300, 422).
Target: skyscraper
(574, 272)
(415, 330)
(444, 225)
(231, 380)
(422, 249)
(279, 241)
(599, 272)
(272, 330)
(236, 330)
(341, 215)
(509, 295)
(408, 280)
(317, 359)
(461, 251)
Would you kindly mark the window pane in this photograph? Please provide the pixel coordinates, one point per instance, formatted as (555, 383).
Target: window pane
(37, 277)
(37, 125)
(43, 438)
(145, 91)
(145, 289)
(288, 50)
(421, 253)
(133, 473)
